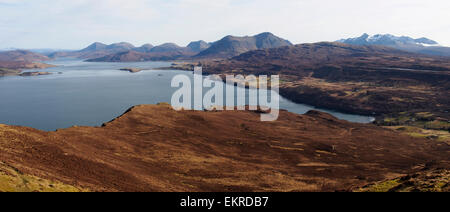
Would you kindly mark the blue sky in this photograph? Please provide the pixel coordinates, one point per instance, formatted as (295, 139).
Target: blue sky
(74, 24)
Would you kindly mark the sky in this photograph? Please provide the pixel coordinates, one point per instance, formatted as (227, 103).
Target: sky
(74, 24)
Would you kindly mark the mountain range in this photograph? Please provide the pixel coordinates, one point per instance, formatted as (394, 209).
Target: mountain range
(230, 46)
(227, 47)
(224, 48)
(420, 45)
(21, 56)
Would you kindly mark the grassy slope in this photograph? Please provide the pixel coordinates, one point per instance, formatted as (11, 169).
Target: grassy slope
(12, 180)
(427, 181)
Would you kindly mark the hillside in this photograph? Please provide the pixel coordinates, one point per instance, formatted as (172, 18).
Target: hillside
(21, 56)
(368, 80)
(12, 62)
(95, 50)
(125, 52)
(144, 48)
(168, 47)
(230, 46)
(167, 51)
(434, 180)
(198, 46)
(134, 56)
(153, 148)
(227, 47)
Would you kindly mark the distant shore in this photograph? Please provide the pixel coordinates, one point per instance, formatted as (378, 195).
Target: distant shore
(18, 70)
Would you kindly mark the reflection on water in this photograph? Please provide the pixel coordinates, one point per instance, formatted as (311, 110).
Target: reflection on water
(89, 94)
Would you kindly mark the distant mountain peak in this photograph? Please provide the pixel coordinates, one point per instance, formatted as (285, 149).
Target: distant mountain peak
(95, 46)
(387, 39)
(427, 41)
(230, 46)
(147, 45)
(167, 47)
(98, 44)
(420, 45)
(121, 45)
(265, 34)
(198, 46)
(144, 48)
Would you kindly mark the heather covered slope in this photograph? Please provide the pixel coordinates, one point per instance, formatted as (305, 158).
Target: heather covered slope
(13, 180)
(153, 148)
(435, 180)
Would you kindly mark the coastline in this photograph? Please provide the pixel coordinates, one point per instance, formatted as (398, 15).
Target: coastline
(19, 71)
(284, 92)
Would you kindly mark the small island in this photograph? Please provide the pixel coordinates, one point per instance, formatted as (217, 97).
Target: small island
(35, 73)
(13, 72)
(132, 70)
(181, 66)
(9, 72)
(15, 68)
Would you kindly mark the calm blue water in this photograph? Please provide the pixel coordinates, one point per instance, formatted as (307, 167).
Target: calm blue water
(90, 94)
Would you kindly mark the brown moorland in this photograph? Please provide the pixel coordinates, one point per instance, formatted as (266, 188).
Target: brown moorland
(395, 86)
(154, 148)
(435, 180)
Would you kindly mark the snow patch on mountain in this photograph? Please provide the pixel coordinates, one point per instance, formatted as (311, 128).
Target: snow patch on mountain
(389, 40)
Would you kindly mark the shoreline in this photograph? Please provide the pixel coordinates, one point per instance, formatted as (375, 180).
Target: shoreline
(306, 92)
(186, 66)
(27, 70)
